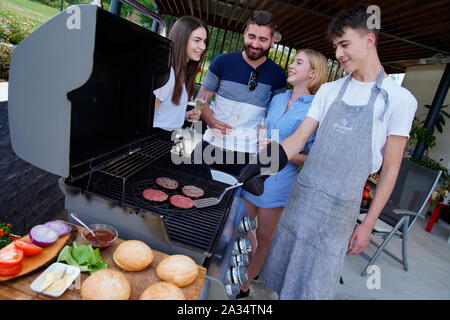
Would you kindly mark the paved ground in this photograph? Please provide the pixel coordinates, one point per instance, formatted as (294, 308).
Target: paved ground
(428, 276)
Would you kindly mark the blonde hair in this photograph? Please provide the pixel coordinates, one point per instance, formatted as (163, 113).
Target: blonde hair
(319, 63)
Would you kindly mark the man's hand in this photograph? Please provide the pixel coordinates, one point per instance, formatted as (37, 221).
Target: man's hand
(220, 126)
(193, 115)
(359, 239)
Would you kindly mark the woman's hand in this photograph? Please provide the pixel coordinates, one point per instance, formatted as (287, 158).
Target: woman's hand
(263, 142)
(193, 115)
(359, 239)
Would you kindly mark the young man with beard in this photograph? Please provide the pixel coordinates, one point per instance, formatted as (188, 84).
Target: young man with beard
(363, 123)
(243, 84)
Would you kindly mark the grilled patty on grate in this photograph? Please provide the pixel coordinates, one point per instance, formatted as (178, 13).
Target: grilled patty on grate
(192, 191)
(154, 195)
(181, 201)
(167, 183)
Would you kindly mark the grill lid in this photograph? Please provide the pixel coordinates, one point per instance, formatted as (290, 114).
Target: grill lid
(81, 86)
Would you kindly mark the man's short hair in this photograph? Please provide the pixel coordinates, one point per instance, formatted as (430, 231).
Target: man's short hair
(351, 17)
(263, 19)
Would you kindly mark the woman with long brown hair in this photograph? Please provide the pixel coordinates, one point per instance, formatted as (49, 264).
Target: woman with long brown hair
(190, 41)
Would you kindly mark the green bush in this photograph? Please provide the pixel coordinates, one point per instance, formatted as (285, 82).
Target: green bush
(5, 58)
(14, 29)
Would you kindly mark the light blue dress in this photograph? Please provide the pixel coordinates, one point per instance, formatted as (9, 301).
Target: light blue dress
(278, 186)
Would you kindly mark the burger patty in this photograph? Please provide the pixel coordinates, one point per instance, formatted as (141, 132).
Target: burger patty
(167, 183)
(154, 195)
(181, 201)
(192, 191)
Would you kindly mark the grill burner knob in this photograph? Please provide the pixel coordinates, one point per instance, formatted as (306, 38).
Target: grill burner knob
(235, 249)
(240, 260)
(245, 245)
(239, 275)
(247, 224)
(233, 289)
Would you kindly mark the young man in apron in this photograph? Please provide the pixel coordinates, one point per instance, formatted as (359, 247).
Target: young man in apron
(363, 122)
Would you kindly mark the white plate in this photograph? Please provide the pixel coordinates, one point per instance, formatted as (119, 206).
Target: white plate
(73, 271)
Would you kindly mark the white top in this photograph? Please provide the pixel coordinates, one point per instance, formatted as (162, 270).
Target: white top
(398, 118)
(170, 116)
(243, 137)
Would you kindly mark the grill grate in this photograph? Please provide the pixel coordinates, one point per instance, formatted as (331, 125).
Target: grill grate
(136, 159)
(194, 228)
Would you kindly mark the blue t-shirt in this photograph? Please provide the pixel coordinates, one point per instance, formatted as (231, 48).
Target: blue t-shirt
(235, 104)
(229, 74)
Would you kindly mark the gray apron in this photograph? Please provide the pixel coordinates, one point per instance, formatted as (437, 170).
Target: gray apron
(307, 254)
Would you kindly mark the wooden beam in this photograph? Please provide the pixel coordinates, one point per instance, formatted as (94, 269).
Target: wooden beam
(184, 8)
(216, 8)
(199, 9)
(176, 7)
(224, 11)
(191, 7)
(243, 12)
(171, 11)
(233, 11)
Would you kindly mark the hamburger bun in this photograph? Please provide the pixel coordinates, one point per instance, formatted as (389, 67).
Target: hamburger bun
(162, 291)
(106, 284)
(133, 255)
(178, 269)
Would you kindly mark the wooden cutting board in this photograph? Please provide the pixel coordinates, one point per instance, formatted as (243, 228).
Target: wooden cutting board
(46, 257)
(20, 288)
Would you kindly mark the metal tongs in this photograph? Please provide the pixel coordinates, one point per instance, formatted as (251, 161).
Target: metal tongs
(207, 202)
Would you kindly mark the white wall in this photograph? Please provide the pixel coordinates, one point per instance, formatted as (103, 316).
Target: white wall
(422, 82)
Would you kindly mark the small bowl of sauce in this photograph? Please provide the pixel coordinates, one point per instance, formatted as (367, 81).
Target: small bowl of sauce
(104, 235)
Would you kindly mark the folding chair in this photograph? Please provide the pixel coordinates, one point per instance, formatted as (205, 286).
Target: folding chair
(410, 195)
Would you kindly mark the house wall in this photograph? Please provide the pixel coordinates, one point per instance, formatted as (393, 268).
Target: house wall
(423, 82)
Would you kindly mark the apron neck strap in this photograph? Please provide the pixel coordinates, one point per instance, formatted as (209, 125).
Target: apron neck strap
(378, 89)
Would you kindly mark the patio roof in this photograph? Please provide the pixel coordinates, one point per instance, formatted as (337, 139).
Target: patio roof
(410, 29)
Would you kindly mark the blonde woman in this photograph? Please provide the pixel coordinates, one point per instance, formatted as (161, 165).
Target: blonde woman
(286, 111)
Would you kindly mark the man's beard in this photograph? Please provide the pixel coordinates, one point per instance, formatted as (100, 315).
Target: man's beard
(257, 55)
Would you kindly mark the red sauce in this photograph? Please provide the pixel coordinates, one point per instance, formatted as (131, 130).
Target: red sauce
(102, 238)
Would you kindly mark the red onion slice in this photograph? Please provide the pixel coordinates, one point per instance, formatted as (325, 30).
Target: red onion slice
(60, 227)
(43, 235)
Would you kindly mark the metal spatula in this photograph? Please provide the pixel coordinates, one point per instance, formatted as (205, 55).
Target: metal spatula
(207, 202)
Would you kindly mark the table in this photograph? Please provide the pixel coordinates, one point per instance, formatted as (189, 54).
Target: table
(435, 216)
(19, 289)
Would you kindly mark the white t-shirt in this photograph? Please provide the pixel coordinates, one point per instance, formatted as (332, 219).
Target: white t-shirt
(170, 116)
(397, 120)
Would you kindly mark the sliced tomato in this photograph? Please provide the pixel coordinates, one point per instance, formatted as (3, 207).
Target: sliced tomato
(10, 257)
(10, 271)
(28, 248)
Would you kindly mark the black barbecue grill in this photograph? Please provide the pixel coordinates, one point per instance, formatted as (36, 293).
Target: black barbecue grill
(194, 228)
(80, 107)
